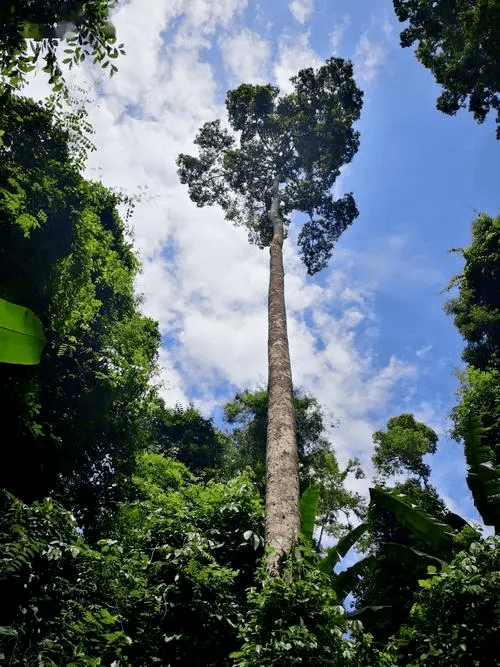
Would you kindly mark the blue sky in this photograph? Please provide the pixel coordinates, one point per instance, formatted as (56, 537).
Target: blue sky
(368, 335)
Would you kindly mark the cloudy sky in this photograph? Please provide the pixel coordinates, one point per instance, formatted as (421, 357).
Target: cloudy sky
(368, 336)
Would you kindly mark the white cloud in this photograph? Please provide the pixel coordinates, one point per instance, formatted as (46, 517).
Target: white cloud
(369, 58)
(294, 54)
(247, 55)
(301, 10)
(337, 33)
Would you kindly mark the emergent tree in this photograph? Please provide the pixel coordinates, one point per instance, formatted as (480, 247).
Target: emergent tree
(283, 155)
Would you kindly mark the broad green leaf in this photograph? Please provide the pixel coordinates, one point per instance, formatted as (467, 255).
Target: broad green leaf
(21, 335)
(309, 510)
(334, 554)
(434, 533)
(483, 477)
(413, 557)
(345, 581)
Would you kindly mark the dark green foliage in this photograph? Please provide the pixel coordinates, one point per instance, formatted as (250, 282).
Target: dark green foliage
(83, 26)
(476, 309)
(301, 140)
(186, 435)
(436, 535)
(295, 619)
(459, 41)
(476, 312)
(75, 421)
(166, 585)
(456, 619)
(483, 476)
(52, 608)
(402, 446)
(407, 526)
(198, 553)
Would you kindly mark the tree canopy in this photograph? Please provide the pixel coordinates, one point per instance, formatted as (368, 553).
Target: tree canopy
(459, 41)
(301, 139)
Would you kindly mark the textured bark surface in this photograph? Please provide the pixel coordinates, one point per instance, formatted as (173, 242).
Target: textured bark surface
(282, 488)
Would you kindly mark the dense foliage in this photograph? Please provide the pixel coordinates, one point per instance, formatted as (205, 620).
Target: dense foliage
(456, 619)
(476, 311)
(74, 421)
(132, 533)
(458, 40)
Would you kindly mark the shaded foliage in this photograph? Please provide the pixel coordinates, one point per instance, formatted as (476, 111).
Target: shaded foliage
(476, 312)
(186, 435)
(476, 309)
(166, 585)
(74, 421)
(456, 618)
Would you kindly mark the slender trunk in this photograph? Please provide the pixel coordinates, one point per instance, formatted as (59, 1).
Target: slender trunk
(282, 489)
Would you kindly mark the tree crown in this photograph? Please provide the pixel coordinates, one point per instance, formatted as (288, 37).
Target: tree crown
(296, 142)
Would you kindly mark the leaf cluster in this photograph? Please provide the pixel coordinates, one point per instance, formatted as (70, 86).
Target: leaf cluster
(458, 40)
(31, 30)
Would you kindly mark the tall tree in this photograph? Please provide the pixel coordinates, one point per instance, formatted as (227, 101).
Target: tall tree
(459, 41)
(318, 466)
(476, 312)
(283, 155)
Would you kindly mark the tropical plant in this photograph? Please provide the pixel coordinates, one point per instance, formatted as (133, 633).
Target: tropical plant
(21, 335)
(476, 312)
(75, 420)
(31, 31)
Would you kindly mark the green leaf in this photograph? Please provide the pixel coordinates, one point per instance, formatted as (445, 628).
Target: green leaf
(334, 554)
(437, 535)
(308, 511)
(483, 477)
(21, 335)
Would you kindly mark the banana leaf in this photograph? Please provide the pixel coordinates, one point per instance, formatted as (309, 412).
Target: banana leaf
(21, 335)
(483, 477)
(437, 535)
(334, 554)
(309, 510)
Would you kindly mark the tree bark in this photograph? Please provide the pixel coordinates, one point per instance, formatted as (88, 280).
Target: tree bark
(282, 488)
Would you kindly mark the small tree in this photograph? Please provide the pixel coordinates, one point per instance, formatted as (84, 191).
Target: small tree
(402, 447)
(285, 157)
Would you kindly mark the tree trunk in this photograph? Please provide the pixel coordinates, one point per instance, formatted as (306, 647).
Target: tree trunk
(282, 489)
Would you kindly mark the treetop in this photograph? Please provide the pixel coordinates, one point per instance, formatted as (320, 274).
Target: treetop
(295, 142)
